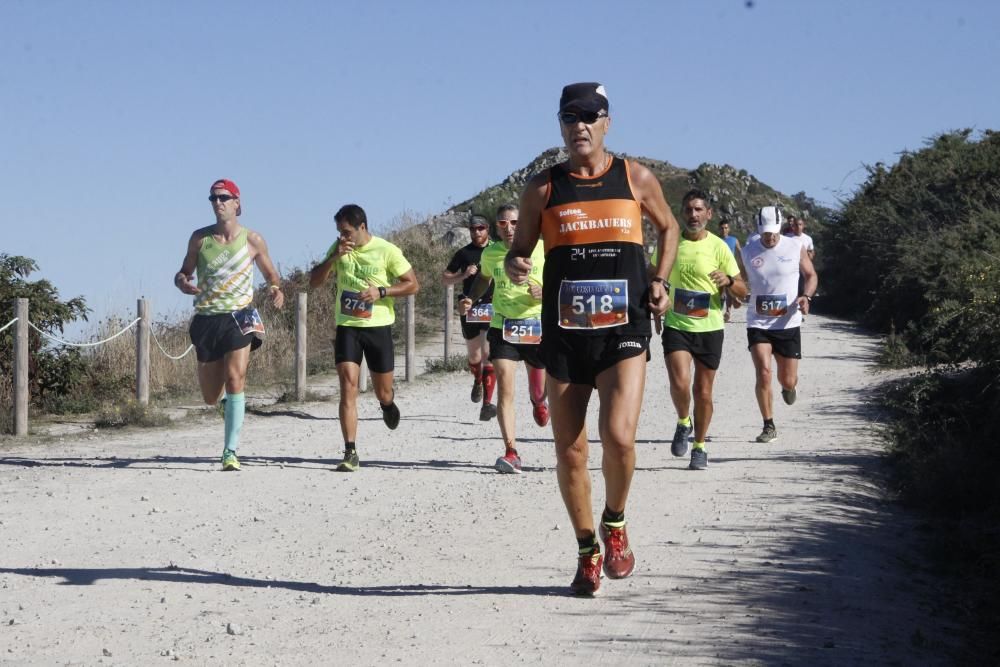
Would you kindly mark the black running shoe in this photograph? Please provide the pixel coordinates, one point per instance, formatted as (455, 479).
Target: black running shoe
(390, 415)
(788, 395)
(487, 412)
(679, 446)
(477, 392)
(699, 459)
(350, 462)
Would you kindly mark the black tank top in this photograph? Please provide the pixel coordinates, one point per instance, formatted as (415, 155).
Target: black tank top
(595, 280)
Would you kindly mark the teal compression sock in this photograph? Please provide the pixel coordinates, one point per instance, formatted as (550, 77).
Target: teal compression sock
(235, 408)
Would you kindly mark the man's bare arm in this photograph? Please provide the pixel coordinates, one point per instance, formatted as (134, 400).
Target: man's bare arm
(654, 205)
(529, 227)
(266, 266)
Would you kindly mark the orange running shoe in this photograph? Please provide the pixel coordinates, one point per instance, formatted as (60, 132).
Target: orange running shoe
(588, 575)
(620, 560)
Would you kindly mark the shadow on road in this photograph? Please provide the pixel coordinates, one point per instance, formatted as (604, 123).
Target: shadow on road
(182, 575)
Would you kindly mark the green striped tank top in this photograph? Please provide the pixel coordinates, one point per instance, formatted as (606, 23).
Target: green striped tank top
(225, 275)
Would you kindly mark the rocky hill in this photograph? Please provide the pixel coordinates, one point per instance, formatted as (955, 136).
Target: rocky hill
(736, 195)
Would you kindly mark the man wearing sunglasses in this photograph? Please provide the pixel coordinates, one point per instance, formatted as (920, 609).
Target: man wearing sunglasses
(596, 307)
(226, 327)
(515, 332)
(370, 272)
(463, 267)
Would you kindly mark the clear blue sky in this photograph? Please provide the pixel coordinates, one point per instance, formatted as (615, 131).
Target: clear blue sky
(115, 117)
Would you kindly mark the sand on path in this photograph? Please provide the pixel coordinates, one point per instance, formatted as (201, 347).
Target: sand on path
(134, 548)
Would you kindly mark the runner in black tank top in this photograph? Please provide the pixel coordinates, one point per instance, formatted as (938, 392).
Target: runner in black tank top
(595, 313)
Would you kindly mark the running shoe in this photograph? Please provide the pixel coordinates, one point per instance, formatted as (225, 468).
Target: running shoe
(229, 460)
(540, 411)
(487, 412)
(699, 459)
(350, 462)
(509, 463)
(588, 575)
(620, 560)
(769, 434)
(477, 392)
(390, 415)
(788, 395)
(679, 447)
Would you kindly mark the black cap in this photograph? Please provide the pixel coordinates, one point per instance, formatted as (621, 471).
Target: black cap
(589, 96)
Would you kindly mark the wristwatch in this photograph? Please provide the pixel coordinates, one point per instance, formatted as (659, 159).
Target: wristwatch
(381, 292)
(658, 279)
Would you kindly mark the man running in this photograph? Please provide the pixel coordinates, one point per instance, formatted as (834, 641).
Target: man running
(463, 267)
(797, 231)
(515, 332)
(734, 247)
(775, 265)
(596, 303)
(226, 327)
(370, 272)
(694, 328)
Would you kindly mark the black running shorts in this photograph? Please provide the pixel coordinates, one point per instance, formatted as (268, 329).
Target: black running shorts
(704, 346)
(215, 335)
(501, 349)
(784, 342)
(374, 343)
(579, 359)
(470, 331)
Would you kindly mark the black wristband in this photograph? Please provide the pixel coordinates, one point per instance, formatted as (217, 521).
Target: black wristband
(658, 279)
(381, 292)
(807, 297)
(732, 281)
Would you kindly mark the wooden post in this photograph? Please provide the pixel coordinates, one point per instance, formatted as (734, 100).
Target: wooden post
(411, 337)
(142, 353)
(21, 392)
(301, 312)
(449, 300)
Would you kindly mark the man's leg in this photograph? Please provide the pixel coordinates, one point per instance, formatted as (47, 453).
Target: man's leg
(761, 355)
(386, 395)
(788, 376)
(474, 348)
(536, 393)
(506, 370)
(348, 373)
(704, 381)
(568, 411)
(212, 380)
(620, 389)
(679, 373)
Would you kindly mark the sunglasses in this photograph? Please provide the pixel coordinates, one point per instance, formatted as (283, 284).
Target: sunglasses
(479, 228)
(574, 117)
(222, 198)
(504, 223)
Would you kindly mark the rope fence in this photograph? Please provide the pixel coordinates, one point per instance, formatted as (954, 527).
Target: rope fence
(144, 332)
(100, 342)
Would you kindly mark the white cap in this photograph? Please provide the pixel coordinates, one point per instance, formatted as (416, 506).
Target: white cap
(769, 220)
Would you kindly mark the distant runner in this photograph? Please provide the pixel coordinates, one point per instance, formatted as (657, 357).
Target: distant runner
(597, 300)
(694, 328)
(515, 333)
(464, 267)
(734, 247)
(773, 265)
(226, 327)
(370, 272)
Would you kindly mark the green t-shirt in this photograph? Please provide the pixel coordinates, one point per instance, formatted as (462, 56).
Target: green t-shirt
(377, 263)
(695, 300)
(511, 301)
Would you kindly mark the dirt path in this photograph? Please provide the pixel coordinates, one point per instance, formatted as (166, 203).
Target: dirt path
(132, 548)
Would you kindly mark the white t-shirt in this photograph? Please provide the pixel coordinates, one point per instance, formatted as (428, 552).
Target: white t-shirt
(805, 240)
(773, 274)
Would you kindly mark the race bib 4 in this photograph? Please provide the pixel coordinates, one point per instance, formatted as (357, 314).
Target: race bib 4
(691, 303)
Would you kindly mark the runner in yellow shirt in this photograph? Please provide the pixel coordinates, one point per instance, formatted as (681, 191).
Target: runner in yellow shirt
(370, 273)
(694, 326)
(515, 332)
